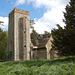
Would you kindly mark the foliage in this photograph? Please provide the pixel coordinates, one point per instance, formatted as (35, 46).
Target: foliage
(57, 35)
(35, 38)
(64, 39)
(70, 14)
(31, 24)
(1, 23)
(1, 30)
(46, 34)
(3, 44)
(61, 66)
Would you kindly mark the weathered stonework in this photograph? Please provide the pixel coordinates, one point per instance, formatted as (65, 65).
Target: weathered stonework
(19, 35)
(44, 50)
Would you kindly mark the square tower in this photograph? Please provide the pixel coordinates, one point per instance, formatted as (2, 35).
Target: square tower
(19, 35)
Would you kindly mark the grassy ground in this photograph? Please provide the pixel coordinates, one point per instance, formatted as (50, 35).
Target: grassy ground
(62, 66)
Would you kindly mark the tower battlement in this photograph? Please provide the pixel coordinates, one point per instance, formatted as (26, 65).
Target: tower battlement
(15, 10)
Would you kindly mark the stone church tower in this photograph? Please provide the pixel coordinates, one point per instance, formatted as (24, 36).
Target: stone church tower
(19, 35)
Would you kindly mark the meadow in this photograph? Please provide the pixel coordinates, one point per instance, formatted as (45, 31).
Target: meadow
(61, 66)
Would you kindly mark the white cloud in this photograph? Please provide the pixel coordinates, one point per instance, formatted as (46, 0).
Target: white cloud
(63, 2)
(5, 24)
(48, 3)
(51, 17)
(19, 2)
(43, 3)
(40, 27)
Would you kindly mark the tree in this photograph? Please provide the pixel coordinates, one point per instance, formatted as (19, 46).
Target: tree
(57, 35)
(3, 44)
(70, 14)
(31, 24)
(69, 30)
(46, 34)
(35, 38)
(64, 39)
(1, 22)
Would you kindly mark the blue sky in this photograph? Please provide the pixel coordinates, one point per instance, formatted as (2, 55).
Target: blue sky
(46, 13)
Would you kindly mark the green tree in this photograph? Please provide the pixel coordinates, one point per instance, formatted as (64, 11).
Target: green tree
(31, 24)
(1, 22)
(35, 38)
(46, 34)
(57, 35)
(64, 39)
(3, 44)
(70, 14)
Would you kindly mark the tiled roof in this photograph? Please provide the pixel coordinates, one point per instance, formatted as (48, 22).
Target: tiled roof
(43, 42)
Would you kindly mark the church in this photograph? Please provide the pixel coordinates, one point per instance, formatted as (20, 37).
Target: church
(19, 43)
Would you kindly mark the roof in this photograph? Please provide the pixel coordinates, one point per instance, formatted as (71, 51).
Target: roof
(43, 42)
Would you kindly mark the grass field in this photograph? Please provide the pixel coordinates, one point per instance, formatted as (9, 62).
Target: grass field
(61, 66)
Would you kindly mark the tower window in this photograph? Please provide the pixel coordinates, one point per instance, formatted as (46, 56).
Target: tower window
(24, 45)
(24, 31)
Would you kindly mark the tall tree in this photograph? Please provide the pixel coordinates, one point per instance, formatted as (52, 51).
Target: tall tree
(70, 14)
(57, 35)
(64, 39)
(3, 44)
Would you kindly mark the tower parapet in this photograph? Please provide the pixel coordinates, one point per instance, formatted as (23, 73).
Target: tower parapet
(15, 10)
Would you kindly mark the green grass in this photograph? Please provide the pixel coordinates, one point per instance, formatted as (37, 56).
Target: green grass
(61, 66)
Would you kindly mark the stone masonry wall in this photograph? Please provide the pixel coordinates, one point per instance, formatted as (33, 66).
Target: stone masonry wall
(15, 35)
(10, 37)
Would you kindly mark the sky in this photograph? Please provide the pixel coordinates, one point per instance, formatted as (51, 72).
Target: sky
(45, 13)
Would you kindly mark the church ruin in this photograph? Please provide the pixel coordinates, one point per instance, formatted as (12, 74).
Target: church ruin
(19, 35)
